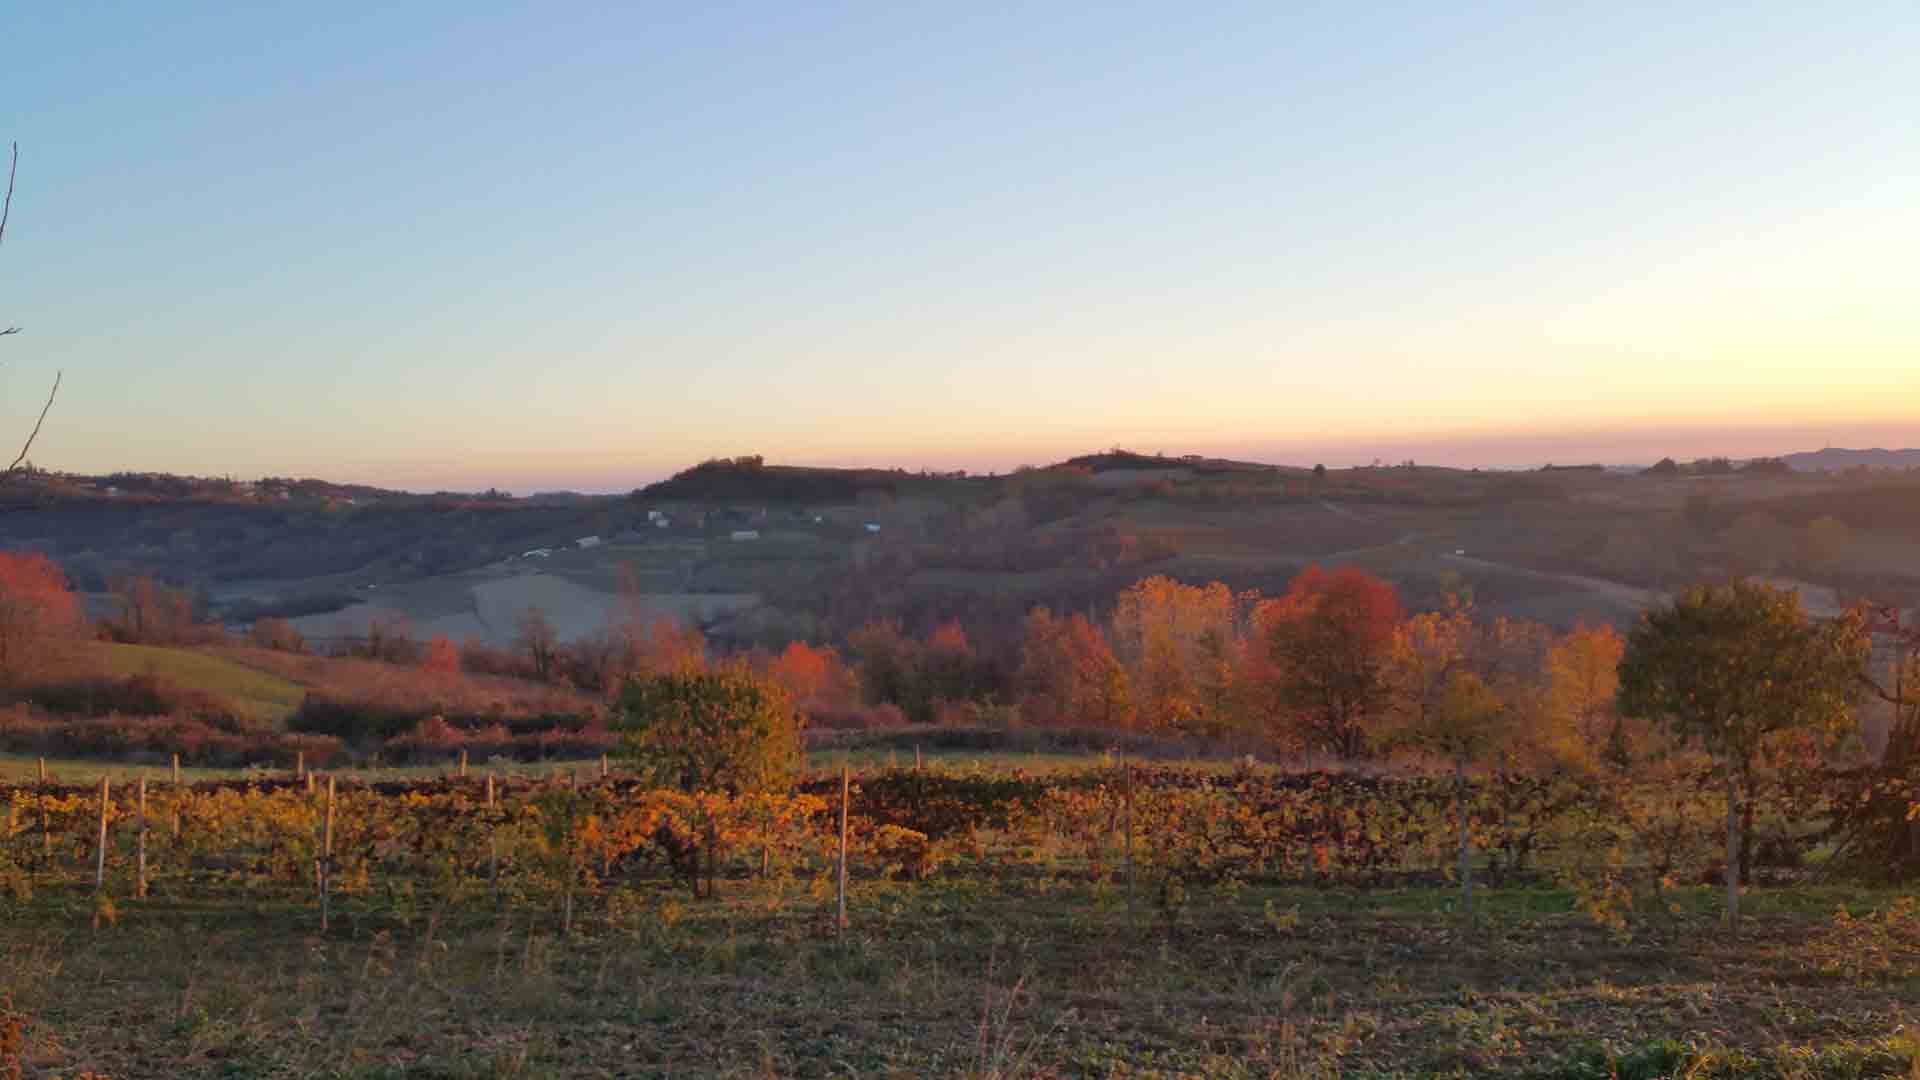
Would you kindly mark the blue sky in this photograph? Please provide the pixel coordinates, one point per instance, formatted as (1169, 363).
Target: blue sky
(540, 247)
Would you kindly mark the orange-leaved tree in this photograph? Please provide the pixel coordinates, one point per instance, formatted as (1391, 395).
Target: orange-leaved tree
(1583, 677)
(813, 676)
(1445, 700)
(1069, 675)
(1181, 645)
(37, 613)
(441, 657)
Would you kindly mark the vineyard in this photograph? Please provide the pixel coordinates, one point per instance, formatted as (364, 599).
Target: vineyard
(576, 842)
(1300, 896)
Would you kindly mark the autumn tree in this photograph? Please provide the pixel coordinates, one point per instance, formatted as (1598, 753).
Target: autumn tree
(889, 666)
(1179, 644)
(813, 676)
(1327, 646)
(667, 646)
(1734, 667)
(37, 612)
(721, 731)
(441, 657)
(1461, 690)
(277, 634)
(534, 635)
(1879, 828)
(389, 639)
(150, 612)
(948, 666)
(724, 730)
(643, 640)
(1069, 675)
(1583, 678)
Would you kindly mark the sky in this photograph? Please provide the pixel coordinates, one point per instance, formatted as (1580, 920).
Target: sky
(581, 246)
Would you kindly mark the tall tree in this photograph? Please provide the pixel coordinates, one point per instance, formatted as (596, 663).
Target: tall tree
(1173, 637)
(1069, 675)
(1445, 697)
(1583, 680)
(1328, 642)
(1732, 668)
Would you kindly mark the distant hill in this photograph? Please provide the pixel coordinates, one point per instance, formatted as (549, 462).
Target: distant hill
(1124, 460)
(750, 479)
(1836, 459)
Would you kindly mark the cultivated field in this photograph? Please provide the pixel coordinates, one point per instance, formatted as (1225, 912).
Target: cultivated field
(1158, 922)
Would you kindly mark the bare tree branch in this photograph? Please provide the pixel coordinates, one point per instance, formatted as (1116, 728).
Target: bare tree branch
(6, 210)
(11, 469)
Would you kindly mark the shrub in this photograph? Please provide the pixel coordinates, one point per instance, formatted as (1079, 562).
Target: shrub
(712, 731)
(136, 695)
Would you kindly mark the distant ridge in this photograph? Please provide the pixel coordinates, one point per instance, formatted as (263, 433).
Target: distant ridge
(1118, 460)
(1835, 459)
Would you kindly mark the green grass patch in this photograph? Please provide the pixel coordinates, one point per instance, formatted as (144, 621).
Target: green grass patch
(261, 697)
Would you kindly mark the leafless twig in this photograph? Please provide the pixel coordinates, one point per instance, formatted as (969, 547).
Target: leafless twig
(6, 210)
(11, 469)
(13, 164)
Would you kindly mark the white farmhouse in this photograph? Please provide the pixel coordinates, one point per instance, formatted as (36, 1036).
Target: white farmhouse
(586, 542)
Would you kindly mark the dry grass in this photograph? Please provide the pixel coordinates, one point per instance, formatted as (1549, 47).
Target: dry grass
(970, 978)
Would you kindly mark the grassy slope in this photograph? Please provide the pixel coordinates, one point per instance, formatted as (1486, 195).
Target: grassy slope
(262, 697)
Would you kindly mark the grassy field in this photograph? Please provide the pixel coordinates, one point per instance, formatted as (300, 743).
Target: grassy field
(261, 697)
(1020, 977)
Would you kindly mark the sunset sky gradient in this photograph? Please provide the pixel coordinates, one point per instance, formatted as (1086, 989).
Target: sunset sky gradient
(543, 246)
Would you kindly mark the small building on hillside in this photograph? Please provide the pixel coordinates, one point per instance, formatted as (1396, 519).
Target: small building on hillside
(586, 542)
(873, 526)
(745, 534)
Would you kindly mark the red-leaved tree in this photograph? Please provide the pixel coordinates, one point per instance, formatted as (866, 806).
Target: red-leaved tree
(1327, 645)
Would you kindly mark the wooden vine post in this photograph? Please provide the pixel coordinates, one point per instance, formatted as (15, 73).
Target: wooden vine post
(326, 861)
(299, 764)
(603, 766)
(463, 764)
(46, 824)
(493, 846)
(100, 848)
(846, 787)
(140, 852)
(176, 770)
(1127, 818)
